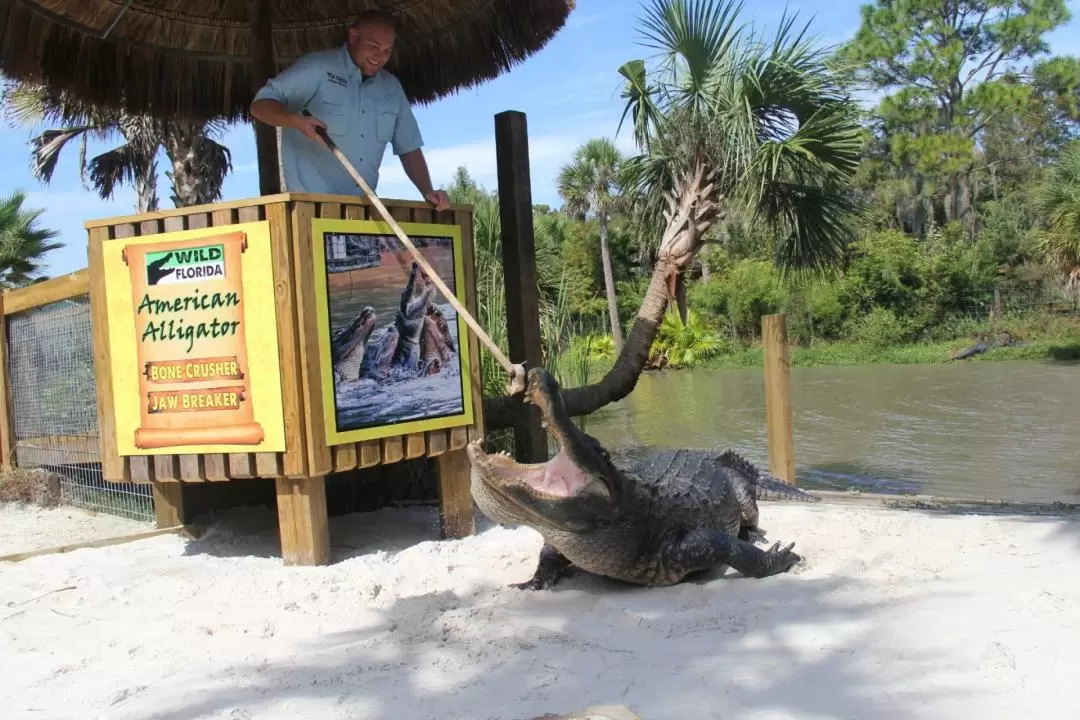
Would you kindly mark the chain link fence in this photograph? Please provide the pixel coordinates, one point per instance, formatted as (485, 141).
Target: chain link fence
(54, 408)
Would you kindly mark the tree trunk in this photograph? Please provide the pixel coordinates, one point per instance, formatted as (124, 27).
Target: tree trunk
(181, 147)
(146, 196)
(199, 164)
(609, 284)
(691, 213)
(623, 376)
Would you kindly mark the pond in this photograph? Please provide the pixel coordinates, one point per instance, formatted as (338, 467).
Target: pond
(975, 430)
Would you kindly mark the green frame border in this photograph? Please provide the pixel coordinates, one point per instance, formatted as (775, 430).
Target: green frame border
(320, 226)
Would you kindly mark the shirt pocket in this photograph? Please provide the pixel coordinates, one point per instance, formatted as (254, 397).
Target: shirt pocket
(334, 114)
(385, 121)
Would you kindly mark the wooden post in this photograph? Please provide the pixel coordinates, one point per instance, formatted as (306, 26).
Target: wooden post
(302, 522)
(7, 425)
(455, 499)
(168, 503)
(778, 398)
(519, 263)
(262, 69)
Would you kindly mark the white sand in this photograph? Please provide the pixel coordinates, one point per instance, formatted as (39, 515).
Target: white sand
(894, 615)
(24, 527)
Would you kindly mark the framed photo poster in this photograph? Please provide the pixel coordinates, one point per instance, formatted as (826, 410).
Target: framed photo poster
(394, 353)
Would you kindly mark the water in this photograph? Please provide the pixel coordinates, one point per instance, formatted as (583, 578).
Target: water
(982, 431)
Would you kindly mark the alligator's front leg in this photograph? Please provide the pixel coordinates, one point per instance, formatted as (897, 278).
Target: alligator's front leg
(551, 568)
(705, 549)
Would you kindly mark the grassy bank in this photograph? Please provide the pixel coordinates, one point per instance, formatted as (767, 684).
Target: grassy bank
(849, 353)
(1043, 338)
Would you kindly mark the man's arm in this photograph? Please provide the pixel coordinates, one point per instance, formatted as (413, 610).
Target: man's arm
(416, 168)
(279, 101)
(407, 145)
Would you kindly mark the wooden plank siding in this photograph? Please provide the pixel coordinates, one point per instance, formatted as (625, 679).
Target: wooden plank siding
(307, 455)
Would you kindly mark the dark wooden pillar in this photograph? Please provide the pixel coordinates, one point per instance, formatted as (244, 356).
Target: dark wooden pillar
(262, 69)
(519, 263)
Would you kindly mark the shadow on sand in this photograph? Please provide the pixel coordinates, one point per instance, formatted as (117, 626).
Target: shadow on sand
(716, 647)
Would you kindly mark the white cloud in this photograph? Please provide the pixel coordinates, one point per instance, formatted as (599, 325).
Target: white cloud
(546, 154)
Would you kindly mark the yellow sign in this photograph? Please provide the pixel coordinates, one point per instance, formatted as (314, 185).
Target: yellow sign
(193, 342)
(394, 352)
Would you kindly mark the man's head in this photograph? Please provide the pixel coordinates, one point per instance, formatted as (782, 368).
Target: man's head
(371, 40)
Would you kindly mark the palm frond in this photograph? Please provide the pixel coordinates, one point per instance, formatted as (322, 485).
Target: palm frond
(46, 149)
(114, 168)
(768, 120)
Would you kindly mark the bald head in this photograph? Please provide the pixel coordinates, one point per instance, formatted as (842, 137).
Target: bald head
(371, 40)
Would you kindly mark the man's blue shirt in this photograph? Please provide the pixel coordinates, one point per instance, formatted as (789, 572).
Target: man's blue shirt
(361, 114)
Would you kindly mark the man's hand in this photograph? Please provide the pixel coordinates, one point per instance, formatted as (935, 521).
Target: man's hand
(308, 124)
(439, 199)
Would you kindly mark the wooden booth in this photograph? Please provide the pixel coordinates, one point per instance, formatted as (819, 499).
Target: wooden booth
(284, 337)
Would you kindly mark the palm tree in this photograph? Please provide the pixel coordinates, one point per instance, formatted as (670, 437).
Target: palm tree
(1059, 201)
(727, 120)
(588, 186)
(199, 163)
(23, 244)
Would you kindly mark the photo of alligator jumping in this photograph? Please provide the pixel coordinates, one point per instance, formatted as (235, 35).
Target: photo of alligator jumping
(671, 515)
(394, 338)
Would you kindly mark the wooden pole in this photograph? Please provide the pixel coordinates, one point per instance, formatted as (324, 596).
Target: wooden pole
(302, 521)
(262, 69)
(456, 518)
(778, 398)
(519, 269)
(168, 503)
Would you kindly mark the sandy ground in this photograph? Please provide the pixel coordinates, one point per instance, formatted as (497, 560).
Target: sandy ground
(893, 615)
(24, 528)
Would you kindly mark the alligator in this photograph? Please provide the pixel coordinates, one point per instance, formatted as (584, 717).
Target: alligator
(1005, 340)
(380, 352)
(674, 514)
(436, 344)
(348, 346)
(411, 318)
(398, 344)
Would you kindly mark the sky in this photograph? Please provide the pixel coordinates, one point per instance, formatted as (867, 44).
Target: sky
(569, 92)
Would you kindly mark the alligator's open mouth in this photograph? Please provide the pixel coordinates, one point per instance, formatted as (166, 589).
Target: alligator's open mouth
(558, 478)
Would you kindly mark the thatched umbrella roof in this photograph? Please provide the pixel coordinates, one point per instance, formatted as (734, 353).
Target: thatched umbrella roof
(194, 57)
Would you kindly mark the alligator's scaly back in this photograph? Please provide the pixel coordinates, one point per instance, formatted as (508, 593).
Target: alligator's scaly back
(762, 486)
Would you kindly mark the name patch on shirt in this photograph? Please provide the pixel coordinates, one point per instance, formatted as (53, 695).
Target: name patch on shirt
(337, 79)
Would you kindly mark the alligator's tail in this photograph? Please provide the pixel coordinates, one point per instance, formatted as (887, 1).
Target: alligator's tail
(769, 488)
(765, 486)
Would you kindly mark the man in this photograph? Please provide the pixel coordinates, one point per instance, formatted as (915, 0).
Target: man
(361, 106)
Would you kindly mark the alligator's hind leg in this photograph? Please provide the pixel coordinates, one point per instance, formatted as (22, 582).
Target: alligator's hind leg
(743, 477)
(752, 534)
(551, 568)
(704, 549)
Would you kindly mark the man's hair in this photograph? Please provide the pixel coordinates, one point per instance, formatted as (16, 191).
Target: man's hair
(375, 17)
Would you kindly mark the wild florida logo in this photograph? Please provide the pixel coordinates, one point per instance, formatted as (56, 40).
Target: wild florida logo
(188, 265)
